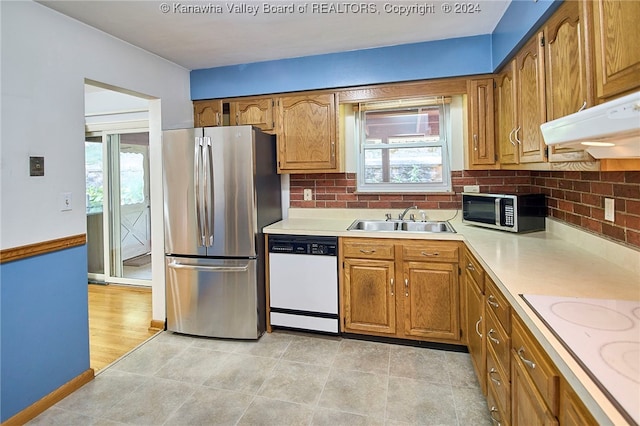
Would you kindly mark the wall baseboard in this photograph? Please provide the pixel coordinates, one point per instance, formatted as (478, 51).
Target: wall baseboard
(30, 250)
(38, 407)
(157, 325)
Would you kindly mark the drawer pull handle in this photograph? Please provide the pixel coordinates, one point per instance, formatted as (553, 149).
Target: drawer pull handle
(406, 287)
(493, 339)
(392, 286)
(496, 381)
(470, 267)
(424, 253)
(367, 251)
(477, 324)
(491, 300)
(529, 363)
(493, 419)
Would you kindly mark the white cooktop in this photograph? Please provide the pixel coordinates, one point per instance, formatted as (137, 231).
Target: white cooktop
(604, 336)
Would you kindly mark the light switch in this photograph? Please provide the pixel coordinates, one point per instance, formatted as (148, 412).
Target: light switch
(65, 201)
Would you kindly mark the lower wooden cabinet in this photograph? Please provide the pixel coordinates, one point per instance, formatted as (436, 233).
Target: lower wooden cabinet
(476, 327)
(572, 410)
(390, 292)
(369, 296)
(527, 406)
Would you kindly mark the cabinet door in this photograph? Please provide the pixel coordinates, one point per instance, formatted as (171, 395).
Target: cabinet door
(307, 133)
(430, 291)
(567, 71)
(572, 410)
(476, 330)
(505, 105)
(256, 112)
(617, 57)
(369, 296)
(531, 112)
(207, 113)
(482, 150)
(527, 406)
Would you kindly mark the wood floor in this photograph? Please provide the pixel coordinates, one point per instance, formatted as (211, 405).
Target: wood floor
(119, 319)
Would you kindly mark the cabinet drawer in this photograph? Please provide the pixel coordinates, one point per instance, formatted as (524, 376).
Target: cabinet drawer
(537, 365)
(497, 304)
(367, 248)
(473, 268)
(498, 416)
(498, 379)
(498, 342)
(432, 251)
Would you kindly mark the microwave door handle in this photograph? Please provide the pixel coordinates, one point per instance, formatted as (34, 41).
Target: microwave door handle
(208, 190)
(498, 203)
(197, 175)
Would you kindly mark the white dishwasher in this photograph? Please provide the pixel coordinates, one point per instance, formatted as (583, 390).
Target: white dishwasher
(303, 282)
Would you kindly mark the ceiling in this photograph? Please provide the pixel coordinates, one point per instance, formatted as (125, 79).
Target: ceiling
(211, 38)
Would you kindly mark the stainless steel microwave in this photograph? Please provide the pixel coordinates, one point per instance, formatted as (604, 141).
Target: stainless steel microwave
(506, 212)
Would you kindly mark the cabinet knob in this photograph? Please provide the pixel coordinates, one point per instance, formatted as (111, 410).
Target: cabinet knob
(493, 339)
(477, 325)
(406, 287)
(491, 300)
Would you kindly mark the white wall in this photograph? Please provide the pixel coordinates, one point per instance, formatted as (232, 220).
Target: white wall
(46, 58)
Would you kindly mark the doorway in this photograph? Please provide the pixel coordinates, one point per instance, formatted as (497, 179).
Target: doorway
(119, 225)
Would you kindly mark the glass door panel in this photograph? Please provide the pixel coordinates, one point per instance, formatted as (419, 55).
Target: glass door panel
(129, 224)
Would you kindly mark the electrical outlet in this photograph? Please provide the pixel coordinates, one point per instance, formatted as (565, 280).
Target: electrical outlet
(609, 209)
(308, 194)
(471, 188)
(65, 200)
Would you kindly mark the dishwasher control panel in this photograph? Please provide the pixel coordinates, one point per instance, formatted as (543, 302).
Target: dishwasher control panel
(323, 246)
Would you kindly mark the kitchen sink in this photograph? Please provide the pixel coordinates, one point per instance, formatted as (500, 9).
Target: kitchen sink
(400, 226)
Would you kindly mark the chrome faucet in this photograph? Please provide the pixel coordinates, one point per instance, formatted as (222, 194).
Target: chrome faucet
(403, 214)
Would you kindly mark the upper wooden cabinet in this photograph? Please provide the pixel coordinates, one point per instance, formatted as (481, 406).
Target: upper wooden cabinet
(481, 144)
(207, 113)
(254, 111)
(505, 118)
(307, 129)
(530, 96)
(568, 71)
(617, 56)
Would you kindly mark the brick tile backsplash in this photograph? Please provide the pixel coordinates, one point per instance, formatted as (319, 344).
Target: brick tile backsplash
(574, 197)
(578, 198)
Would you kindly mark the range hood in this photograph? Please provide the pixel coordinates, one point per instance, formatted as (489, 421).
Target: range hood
(609, 130)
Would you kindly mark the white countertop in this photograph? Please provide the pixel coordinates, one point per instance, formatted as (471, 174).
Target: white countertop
(561, 261)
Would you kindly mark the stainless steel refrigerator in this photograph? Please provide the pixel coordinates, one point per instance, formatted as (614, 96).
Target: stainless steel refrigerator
(220, 190)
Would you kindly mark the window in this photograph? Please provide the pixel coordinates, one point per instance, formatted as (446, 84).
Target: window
(404, 148)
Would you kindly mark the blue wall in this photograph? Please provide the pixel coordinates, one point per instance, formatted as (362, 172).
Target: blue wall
(417, 61)
(521, 20)
(459, 56)
(44, 326)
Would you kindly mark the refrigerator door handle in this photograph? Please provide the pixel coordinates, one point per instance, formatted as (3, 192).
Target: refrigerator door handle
(178, 265)
(208, 190)
(197, 175)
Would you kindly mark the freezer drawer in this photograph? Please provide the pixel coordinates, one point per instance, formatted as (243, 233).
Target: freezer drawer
(213, 297)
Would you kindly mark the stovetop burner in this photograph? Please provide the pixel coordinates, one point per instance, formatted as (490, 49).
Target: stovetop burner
(592, 316)
(604, 337)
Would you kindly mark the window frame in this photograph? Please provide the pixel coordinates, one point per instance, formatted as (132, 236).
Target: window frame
(390, 187)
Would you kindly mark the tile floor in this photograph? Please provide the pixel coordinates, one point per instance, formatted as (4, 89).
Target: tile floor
(282, 379)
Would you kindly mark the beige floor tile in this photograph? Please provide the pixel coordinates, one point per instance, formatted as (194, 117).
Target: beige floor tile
(355, 392)
(209, 406)
(419, 402)
(419, 363)
(313, 350)
(326, 417)
(363, 356)
(270, 412)
(295, 382)
(242, 373)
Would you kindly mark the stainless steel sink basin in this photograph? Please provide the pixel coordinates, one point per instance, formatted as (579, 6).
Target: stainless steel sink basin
(400, 226)
(373, 225)
(427, 227)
